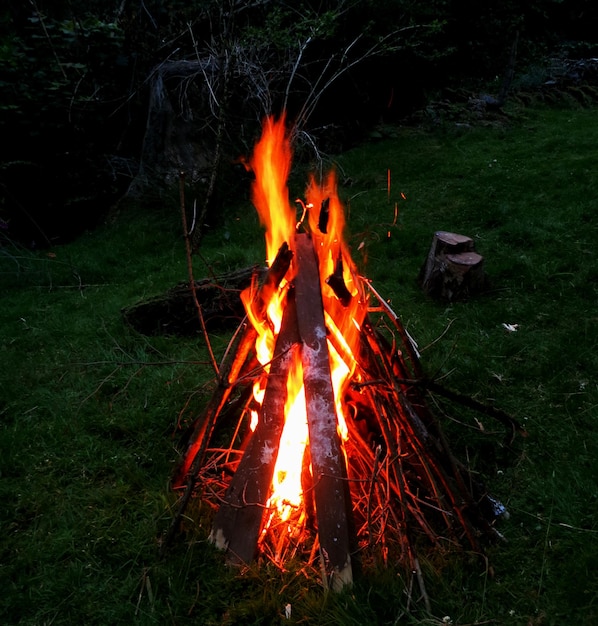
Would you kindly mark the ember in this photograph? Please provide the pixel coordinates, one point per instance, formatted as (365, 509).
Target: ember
(335, 451)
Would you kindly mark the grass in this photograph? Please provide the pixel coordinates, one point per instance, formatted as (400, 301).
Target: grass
(90, 410)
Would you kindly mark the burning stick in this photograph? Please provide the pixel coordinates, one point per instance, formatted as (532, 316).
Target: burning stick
(337, 283)
(324, 216)
(232, 363)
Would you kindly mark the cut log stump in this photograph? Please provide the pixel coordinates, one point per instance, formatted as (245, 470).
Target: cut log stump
(453, 270)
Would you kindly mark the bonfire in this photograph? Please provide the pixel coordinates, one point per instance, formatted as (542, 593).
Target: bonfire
(318, 442)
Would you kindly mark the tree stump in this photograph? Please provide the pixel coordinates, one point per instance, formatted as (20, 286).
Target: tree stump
(452, 270)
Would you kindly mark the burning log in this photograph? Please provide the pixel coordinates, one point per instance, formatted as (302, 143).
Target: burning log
(329, 473)
(235, 359)
(229, 371)
(239, 519)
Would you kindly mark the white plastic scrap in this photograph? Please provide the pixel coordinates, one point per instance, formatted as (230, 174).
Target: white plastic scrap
(287, 610)
(512, 328)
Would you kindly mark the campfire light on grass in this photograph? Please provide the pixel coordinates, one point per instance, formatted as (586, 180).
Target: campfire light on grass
(335, 452)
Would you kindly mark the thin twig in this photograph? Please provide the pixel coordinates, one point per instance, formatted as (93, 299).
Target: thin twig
(47, 35)
(200, 316)
(442, 334)
(302, 48)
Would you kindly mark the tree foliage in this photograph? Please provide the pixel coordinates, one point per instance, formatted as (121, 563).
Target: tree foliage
(61, 82)
(77, 78)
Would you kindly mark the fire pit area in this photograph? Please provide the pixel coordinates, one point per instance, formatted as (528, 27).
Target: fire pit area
(318, 442)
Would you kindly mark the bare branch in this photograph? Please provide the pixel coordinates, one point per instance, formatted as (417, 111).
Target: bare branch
(302, 48)
(318, 91)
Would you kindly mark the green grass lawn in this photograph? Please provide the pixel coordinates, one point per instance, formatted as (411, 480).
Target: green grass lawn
(91, 412)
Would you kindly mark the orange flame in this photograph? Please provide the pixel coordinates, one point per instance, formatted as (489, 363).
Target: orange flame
(271, 164)
(287, 491)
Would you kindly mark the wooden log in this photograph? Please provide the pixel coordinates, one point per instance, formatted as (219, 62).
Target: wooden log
(239, 519)
(276, 272)
(452, 242)
(331, 493)
(452, 270)
(175, 313)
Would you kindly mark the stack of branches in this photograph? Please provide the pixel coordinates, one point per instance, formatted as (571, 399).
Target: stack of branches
(403, 475)
(175, 311)
(404, 480)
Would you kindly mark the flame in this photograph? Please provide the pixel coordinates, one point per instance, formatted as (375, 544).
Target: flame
(343, 322)
(287, 491)
(271, 162)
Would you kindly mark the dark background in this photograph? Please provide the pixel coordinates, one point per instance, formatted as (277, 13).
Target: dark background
(93, 94)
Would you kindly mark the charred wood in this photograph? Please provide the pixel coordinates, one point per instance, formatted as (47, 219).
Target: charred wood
(331, 492)
(337, 283)
(239, 519)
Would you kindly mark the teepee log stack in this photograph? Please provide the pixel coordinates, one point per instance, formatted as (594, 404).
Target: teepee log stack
(400, 477)
(379, 484)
